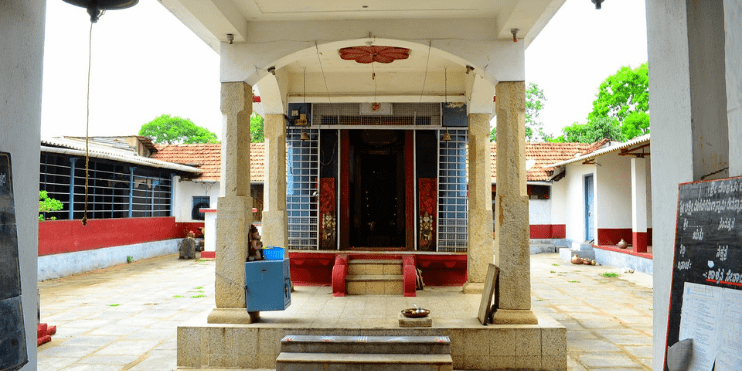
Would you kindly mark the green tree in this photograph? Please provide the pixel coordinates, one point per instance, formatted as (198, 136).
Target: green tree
(535, 99)
(625, 97)
(257, 133)
(176, 130)
(600, 128)
(47, 204)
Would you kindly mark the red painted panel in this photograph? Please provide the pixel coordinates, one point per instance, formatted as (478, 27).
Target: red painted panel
(208, 254)
(327, 221)
(427, 204)
(639, 241)
(344, 189)
(611, 236)
(63, 236)
(409, 184)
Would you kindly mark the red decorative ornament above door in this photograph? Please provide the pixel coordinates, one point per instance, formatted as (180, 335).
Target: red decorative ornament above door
(370, 54)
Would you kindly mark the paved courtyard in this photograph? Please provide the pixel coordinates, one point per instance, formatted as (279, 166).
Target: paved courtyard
(125, 317)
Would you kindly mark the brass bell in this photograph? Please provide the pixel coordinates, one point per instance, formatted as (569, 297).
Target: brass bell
(446, 137)
(304, 135)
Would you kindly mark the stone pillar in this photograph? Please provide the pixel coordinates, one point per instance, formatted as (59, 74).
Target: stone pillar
(479, 251)
(512, 251)
(275, 220)
(234, 210)
(639, 204)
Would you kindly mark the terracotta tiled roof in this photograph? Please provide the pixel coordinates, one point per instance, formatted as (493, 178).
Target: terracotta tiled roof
(545, 154)
(207, 156)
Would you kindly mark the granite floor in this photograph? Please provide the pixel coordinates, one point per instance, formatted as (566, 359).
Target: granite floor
(125, 317)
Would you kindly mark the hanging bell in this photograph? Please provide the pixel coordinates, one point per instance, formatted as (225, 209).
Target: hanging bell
(304, 135)
(446, 137)
(96, 7)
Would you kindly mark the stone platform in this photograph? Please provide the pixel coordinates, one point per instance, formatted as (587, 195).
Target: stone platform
(314, 311)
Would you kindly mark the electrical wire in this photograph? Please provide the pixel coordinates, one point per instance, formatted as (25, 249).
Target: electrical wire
(425, 77)
(323, 72)
(87, 125)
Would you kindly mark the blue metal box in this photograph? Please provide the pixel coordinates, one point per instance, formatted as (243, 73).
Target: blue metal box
(267, 285)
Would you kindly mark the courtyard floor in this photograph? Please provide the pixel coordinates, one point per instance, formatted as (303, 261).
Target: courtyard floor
(125, 317)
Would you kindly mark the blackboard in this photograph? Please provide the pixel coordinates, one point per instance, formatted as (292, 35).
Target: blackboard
(708, 248)
(13, 353)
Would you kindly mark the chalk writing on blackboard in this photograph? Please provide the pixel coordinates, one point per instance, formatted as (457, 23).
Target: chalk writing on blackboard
(706, 292)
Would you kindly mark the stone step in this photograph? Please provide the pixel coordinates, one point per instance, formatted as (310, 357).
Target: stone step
(374, 284)
(542, 248)
(366, 344)
(370, 266)
(366, 362)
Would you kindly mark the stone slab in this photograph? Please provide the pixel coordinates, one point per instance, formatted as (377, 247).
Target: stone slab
(426, 321)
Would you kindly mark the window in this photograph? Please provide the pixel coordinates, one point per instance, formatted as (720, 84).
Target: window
(199, 202)
(538, 192)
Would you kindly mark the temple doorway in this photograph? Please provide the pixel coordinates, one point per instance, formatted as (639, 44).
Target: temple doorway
(377, 190)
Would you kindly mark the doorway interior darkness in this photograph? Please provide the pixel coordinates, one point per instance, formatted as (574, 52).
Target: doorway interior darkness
(377, 189)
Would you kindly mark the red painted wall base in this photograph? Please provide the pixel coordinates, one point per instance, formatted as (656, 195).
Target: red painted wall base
(611, 236)
(547, 231)
(63, 236)
(208, 254)
(639, 241)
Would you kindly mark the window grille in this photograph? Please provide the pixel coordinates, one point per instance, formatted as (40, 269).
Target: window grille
(200, 202)
(402, 114)
(109, 186)
(452, 192)
(302, 201)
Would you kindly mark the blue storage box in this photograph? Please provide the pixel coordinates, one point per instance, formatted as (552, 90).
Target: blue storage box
(273, 253)
(267, 285)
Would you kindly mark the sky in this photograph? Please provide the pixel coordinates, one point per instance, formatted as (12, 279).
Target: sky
(146, 63)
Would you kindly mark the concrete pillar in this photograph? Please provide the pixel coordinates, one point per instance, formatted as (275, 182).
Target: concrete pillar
(512, 251)
(639, 204)
(733, 52)
(234, 214)
(479, 251)
(275, 219)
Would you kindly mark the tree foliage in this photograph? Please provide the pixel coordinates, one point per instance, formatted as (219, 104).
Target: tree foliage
(535, 99)
(257, 129)
(625, 97)
(620, 110)
(176, 130)
(47, 204)
(600, 128)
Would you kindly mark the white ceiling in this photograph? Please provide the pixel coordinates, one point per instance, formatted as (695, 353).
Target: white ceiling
(270, 10)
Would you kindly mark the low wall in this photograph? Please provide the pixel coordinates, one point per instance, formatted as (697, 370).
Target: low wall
(62, 265)
(640, 262)
(66, 236)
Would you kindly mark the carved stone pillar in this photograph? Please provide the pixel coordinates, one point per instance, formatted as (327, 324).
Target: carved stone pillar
(512, 251)
(234, 210)
(479, 251)
(275, 220)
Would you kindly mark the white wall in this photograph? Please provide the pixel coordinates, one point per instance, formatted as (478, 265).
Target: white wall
(539, 211)
(558, 202)
(613, 192)
(575, 200)
(21, 52)
(184, 192)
